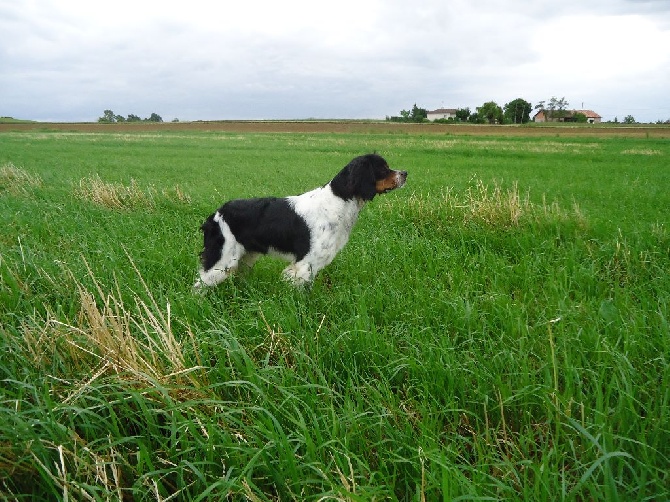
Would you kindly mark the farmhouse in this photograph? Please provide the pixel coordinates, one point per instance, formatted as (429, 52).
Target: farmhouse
(441, 113)
(566, 116)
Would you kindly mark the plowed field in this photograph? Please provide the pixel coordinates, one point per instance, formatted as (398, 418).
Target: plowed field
(355, 127)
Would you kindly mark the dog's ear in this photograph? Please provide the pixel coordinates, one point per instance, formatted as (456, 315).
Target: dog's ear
(357, 179)
(367, 184)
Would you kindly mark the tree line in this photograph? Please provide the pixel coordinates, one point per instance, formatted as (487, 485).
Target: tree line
(516, 111)
(109, 117)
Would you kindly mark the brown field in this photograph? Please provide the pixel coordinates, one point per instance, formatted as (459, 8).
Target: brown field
(354, 127)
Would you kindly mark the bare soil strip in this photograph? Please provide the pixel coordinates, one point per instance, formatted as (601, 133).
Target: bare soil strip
(353, 127)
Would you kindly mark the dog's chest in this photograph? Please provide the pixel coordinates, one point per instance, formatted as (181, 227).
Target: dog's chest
(329, 218)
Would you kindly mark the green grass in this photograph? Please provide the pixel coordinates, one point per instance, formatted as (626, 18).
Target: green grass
(12, 120)
(498, 329)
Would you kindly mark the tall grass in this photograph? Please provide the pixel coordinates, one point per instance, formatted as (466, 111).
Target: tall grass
(477, 339)
(15, 180)
(119, 196)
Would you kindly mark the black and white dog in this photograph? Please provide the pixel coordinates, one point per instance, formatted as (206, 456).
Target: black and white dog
(308, 230)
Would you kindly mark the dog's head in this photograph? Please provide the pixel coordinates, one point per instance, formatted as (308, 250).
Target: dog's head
(366, 176)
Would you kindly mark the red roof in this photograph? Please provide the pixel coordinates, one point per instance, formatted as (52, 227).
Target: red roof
(590, 114)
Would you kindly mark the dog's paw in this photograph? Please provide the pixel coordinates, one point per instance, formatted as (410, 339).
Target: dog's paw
(199, 288)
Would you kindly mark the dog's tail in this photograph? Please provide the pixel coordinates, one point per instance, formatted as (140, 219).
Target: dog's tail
(213, 242)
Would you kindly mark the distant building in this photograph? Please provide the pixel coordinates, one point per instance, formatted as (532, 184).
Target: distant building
(566, 116)
(442, 113)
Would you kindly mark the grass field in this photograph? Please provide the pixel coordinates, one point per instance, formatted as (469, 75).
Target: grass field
(497, 329)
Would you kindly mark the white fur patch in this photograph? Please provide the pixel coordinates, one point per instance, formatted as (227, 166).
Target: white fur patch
(330, 220)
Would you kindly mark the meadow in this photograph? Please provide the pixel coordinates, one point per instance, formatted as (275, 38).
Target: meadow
(495, 330)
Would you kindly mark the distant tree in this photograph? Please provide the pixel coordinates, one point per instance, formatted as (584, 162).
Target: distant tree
(155, 118)
(107, 117)
(416, 114)
(517, 111)
(580, 118)
(175, 120)
(629, 119)
(491, 112)
(463, 114)
(476, 118)
(557, 108)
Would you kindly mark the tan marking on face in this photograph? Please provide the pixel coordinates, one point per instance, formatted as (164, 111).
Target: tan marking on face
(391, 182)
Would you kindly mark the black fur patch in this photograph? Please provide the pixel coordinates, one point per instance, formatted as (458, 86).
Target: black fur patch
(213, 244)
(269, 222)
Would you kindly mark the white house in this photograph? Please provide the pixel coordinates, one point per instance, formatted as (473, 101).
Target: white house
(442, 113)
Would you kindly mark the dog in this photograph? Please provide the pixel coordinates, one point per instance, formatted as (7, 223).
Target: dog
(307, 230)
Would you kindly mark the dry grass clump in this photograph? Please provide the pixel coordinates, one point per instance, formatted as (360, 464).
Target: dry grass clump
(108, 337)
(489, 205)
(17, 181)
(103, 469)
(547, 146)
(495, 206)
(499, 207)
(120, 196)
(130, 354)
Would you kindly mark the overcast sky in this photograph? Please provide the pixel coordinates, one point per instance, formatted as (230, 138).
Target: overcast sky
(68, 60)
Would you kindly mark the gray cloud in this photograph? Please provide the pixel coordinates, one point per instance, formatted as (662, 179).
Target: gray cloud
(353, 59)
